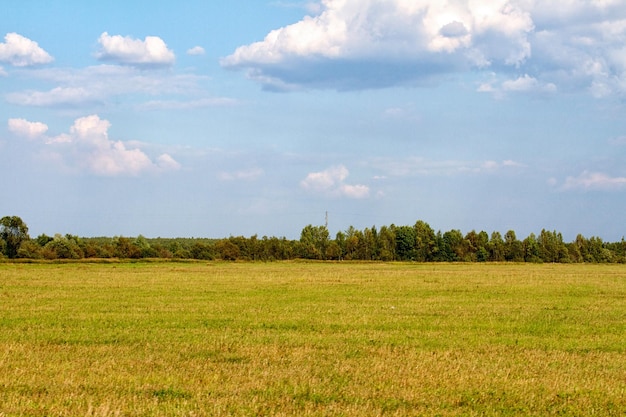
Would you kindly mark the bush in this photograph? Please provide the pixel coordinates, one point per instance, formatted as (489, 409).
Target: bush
(30, 249)
(62, 248)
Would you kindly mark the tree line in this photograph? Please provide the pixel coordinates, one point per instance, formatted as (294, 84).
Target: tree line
(418, 243)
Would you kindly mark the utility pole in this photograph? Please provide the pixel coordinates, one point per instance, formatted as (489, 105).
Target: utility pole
(326, 222)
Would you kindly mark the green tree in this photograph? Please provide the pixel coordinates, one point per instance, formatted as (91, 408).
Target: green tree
(201, 250)
(531, 249)
(472, 245)
(513, 248)
(482, 255)
(227, 250)
(450, 246)
(13, 231)
(367, 244)
(333, 251)
(598, 251)
(43, 239)
(371, 242)
(340, 239)
(144, 247)
(496, 247)
(552, 248)
(405, 243)
(386, 243)
(244, 245)
(62, 248)
(126, 248)
(314, 240)
(352, 243)
(29, 249)
(425, 242)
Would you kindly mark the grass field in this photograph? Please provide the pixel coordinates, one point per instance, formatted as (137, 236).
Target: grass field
(327, 339)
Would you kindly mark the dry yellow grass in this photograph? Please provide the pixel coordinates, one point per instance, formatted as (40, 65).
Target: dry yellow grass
(284, 339)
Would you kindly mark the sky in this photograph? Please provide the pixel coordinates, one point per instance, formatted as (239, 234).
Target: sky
(211, 119)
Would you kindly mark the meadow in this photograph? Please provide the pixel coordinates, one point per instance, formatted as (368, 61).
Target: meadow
(312, 339)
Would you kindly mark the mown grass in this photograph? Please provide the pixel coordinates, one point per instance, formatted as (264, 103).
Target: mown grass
(332, 339)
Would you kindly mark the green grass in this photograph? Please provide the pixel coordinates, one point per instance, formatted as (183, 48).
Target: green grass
(327, 339)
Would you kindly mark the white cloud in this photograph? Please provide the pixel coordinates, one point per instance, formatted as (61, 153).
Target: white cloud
(310, 6)
(187, 105)
(332, 182)
(20, 51)
(167, 163)
(87, 147)
(406, 112)
(524, 84)
(527, 83)
(243, 175)
(3, 73)
(354, 191)
(416, 166)
(357, 44)
(512, 164)
(588, 180)
(379, 44)
(490, 165)
(30, 130)
(196, 50)
(152, 51)
(63, 96)
(96, 85)
(324, 180)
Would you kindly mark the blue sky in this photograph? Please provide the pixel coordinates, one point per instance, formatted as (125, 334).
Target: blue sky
(210, 119)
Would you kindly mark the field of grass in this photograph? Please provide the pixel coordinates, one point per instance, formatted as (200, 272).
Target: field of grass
(326, 339)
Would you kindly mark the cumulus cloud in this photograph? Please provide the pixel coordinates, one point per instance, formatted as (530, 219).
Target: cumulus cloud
(531, 46)
(151, 52)
(589, 180)
(87, 147)
(30, 130)
(196, 50)
(20, 51)
(332, 182)
(366, 43)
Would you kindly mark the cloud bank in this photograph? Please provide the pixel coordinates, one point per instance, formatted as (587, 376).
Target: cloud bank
(20, 51)
(87, 147)
(526, 45)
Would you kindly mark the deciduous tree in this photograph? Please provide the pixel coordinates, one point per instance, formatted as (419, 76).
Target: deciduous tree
(314, 240)
(13, 231)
